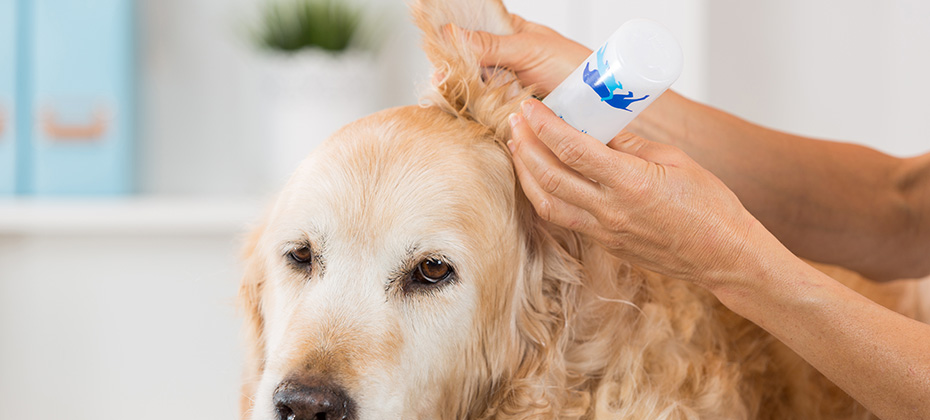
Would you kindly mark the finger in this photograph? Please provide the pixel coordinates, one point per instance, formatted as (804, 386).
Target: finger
(579, 151)
(553, 176)
(584, 153)
(632, 144)
(551, 208)
(492, 50)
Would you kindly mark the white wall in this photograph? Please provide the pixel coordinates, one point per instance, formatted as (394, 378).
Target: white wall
(202, 92)
(853, 70)
(198, 125)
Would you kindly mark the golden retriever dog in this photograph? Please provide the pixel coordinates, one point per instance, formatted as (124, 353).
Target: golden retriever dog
(402, 274)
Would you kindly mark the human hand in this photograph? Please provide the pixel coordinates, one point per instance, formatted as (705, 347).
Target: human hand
(538, 55)
(646, 202)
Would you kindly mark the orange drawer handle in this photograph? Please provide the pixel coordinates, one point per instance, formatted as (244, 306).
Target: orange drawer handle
(91, 131)
(2, 123)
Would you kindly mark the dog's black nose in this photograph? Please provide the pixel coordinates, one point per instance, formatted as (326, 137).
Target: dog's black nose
(308, 400)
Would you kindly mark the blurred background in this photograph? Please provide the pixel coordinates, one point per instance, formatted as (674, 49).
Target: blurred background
(139, 140)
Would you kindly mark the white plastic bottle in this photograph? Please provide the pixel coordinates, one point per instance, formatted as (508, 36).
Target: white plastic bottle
(636, 65)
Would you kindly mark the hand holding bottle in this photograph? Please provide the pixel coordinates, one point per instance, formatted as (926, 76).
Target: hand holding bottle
(538, 55)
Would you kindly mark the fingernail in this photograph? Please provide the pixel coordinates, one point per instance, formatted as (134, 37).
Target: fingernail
(511, 146)
(526, 106)
(448, 30)
(438, 77)
(514, 120)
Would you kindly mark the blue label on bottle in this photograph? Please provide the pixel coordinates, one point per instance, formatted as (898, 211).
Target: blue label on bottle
(606, 86)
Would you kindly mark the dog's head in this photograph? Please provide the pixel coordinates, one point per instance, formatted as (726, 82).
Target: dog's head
(401, 273)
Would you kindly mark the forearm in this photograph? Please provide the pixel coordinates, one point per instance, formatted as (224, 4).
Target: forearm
(831, 202)
(877, 356)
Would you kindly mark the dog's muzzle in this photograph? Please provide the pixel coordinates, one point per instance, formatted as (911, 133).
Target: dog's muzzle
(312, 400)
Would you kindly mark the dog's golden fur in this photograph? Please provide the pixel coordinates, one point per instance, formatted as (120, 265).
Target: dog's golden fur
(540, 322)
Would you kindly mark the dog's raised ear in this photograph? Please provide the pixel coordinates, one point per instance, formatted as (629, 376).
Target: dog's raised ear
(465, 89)
(250, 291)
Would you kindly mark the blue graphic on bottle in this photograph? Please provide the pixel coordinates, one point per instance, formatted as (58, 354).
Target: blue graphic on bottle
(602, 81)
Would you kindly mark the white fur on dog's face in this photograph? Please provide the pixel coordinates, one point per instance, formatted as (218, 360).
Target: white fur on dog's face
(373, 202)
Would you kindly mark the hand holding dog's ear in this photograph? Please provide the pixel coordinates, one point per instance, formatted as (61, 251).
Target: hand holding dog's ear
(646, 202)
(538, 55)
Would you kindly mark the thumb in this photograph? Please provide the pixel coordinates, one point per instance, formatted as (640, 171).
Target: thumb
(492, 50)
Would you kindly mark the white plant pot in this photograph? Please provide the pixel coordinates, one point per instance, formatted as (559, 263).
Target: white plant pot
(309, 95)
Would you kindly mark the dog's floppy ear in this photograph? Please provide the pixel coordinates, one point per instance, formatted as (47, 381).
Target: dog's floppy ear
(541, 382)
(465, 89)
(250, 291)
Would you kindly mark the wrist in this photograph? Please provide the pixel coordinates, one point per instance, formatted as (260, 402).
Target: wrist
(760, 275)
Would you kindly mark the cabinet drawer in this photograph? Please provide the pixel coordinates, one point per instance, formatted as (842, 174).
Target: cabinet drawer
(82, 96)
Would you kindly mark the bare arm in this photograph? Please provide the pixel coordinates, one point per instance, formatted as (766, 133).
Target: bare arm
(877, 356)
(831, 202)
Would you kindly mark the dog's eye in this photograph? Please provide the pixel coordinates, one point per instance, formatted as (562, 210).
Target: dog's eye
(433, 270)
(302, 255)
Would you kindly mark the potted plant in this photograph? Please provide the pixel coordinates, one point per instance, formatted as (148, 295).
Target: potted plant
(318, 75)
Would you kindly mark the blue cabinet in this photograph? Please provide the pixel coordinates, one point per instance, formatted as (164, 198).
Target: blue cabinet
(81, 97)
(8, 62)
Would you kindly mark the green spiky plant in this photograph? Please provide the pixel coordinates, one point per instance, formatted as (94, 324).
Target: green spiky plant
(292, 25)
